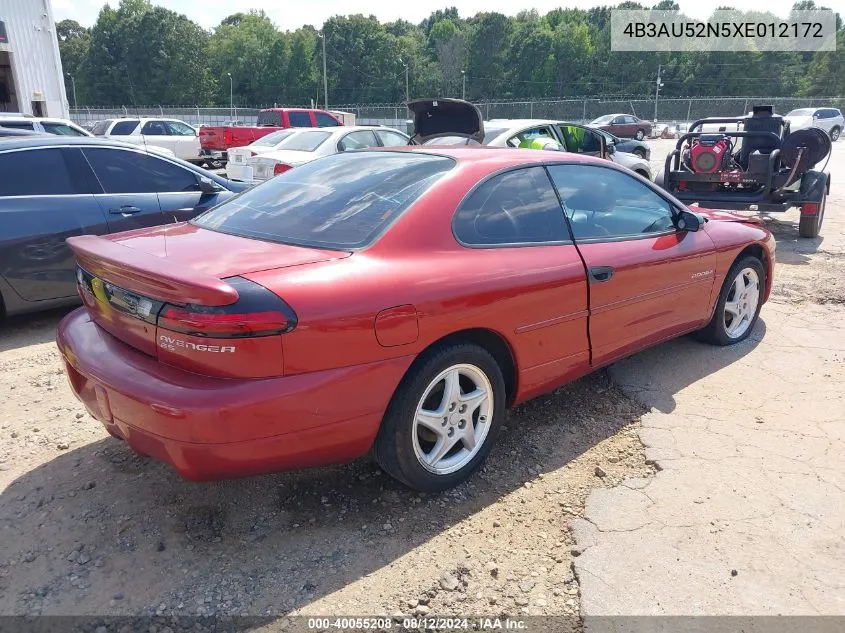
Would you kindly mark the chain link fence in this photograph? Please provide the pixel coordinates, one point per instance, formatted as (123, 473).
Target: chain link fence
(672, 110)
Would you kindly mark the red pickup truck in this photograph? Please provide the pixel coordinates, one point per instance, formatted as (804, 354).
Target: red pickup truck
(215, 140)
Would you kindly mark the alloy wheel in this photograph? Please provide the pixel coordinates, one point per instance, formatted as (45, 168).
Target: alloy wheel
(453, 418)
(741, 303)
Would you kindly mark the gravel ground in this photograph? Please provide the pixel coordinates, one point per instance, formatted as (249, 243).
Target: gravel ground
(88, 527)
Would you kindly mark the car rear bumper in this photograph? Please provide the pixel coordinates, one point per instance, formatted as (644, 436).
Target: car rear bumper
(210, 428)
(239, 172)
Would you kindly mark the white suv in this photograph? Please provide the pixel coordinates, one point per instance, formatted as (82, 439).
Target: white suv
(44, 125)
(828, 119)
(177, 136)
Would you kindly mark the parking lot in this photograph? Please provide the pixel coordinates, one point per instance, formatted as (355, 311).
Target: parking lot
(88, 527)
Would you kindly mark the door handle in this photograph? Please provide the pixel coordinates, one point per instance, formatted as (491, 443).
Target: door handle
(126, 209)
(600, 273)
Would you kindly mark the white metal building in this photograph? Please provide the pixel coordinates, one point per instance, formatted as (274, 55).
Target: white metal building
(31, 79)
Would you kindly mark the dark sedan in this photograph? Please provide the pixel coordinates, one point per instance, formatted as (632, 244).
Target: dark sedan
(629, 145)
(623, 125)
(53, 188)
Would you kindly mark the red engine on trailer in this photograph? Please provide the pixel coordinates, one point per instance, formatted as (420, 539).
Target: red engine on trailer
(709, 153)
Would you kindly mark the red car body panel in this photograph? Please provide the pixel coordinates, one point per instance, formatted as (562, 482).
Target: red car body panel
(364, 317)
(222, 137)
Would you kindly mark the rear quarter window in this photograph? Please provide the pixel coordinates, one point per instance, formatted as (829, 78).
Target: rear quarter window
(342, 202)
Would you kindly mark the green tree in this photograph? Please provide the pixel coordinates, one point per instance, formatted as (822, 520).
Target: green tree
(74, 47)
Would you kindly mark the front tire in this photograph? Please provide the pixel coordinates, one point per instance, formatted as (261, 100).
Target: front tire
(443, 419)
(739, 303)
(640, 135)
(640, 152)
(834, 134)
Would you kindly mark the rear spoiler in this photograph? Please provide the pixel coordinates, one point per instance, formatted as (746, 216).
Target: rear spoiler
(149, 275)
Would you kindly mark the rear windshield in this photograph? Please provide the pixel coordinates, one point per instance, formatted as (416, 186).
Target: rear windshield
(269, 119)
(305, 141)
(342, 202)
(273, 138)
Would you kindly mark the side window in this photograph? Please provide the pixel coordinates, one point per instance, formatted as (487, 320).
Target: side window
(100, 128)
(618, 120)
(124, 128)
(124, 171)
(324, 120)
(17, 125)
(357, 140)
(177, 128)
(581, 140)
(61, 129)
(606, 203)
(516, 207)
(530, 134)
(153, 128)
(299, 119)
(24, 174)
(389, 138)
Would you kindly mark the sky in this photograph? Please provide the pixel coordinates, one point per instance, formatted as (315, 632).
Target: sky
(292, 14)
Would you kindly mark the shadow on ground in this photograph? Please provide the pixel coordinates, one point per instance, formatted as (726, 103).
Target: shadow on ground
(30, 329)
(690, 361)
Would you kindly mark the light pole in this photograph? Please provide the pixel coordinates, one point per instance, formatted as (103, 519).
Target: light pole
(657, 90)
(464, 85)
(322, 36)
(73, 83)
(407, 97)
(231, 97)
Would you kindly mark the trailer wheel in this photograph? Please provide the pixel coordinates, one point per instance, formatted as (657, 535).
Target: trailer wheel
(811, 225)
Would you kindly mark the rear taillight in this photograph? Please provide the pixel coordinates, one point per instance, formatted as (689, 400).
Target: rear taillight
(280, 168)
(810, 208)
(257, 312)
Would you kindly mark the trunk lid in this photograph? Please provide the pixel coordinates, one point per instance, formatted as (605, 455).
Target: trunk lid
(177, 294)
(445, 117)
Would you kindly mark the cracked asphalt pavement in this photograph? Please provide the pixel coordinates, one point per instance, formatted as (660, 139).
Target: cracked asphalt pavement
(746, 515)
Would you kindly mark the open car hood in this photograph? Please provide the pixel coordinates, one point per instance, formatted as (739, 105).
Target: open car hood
(445, 117)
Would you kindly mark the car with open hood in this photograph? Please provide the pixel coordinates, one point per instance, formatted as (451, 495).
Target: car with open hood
(457, 122)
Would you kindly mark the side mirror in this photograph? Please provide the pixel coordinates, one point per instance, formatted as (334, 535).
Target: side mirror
(816, 115)
(207, 185)
(688, 221)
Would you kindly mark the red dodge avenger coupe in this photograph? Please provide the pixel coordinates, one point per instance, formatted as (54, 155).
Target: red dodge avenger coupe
(399, 300)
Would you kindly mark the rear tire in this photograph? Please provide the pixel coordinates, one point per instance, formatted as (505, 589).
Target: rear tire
(640, 135)
(811, 225)
(425, 417)
(834, 134)
(739, 303)
(639, 152)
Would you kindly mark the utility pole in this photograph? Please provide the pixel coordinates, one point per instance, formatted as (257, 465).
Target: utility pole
(231, 97)
(325, 78)
(657, 90)
(407, 97)
(464, 85)
(73, 83)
